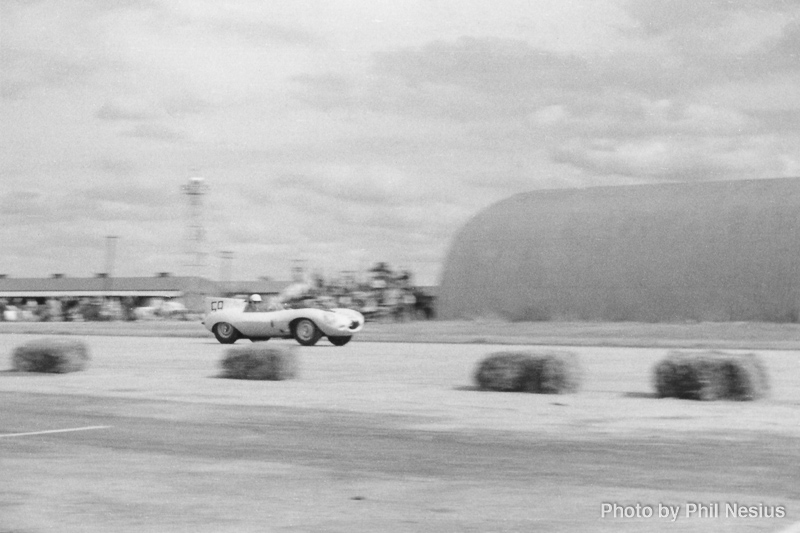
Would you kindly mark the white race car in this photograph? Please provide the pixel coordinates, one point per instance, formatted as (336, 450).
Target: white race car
(231, 319)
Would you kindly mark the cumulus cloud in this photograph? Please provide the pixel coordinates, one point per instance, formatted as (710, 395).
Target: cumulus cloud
(486, 65)
(467, 79)
(178, 105)
(39, 54)
(26, 71)
(636, 113)
(721, 40)
(676, 159)
(133, 196)
(626, 116)
(155, 132)
(21, 203)
(662, 16)
(115, 167)
(113, 201)
(261, 31)
(118, 111)
(371, 184)
(160, 120)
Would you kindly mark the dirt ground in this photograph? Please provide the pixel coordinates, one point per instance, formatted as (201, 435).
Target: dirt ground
(382, 436)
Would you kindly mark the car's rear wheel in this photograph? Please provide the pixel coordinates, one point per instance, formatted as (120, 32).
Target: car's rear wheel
(226, 333)
(306, 332)
(339, 341)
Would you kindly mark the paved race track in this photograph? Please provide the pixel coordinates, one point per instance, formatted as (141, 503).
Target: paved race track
(376, 437)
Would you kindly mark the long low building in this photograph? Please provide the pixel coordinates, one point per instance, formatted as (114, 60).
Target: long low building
(188, 290)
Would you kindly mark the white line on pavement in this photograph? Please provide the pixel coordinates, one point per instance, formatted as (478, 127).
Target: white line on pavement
(52, 431)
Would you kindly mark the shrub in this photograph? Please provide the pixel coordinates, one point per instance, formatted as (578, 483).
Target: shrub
(56, 356)
(260, 362)
(548, 372)
(711, 375)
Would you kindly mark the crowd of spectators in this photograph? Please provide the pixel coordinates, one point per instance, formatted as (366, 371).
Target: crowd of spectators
(386, 295)
(88, 309)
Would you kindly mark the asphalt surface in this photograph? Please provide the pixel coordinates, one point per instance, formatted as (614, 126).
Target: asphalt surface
(355, 442)
(337, 448)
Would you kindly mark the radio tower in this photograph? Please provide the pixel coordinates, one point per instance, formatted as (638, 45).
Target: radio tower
(196, 254)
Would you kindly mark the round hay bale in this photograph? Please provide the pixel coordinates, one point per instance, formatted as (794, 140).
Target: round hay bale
(710, 375)
(559, 372)
(501, 371)
(547, 372)
(259, 362)
(49, 355)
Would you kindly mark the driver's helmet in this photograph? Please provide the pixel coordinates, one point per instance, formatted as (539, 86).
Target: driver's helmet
(255, 298)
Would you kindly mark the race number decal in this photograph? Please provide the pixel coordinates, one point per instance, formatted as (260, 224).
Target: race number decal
(217, 306)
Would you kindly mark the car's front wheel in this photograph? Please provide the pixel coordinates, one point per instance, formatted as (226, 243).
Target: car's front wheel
(226, 333)
(306, 332)
(339, 341)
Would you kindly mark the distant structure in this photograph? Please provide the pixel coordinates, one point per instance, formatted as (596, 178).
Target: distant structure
(196, 254)
(225, 268)
(299, 270)
(111, 250)
(702, 251)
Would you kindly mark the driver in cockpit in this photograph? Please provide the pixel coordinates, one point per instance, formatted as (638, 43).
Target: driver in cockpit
(253, 303)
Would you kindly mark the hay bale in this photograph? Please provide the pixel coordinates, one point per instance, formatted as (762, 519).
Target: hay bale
(554, 372)
(55, 356)
(711, 375)
(501, 371)
(544, 372)
(260, 362)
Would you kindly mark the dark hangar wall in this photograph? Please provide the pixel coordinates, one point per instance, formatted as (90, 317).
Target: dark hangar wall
(716, 251)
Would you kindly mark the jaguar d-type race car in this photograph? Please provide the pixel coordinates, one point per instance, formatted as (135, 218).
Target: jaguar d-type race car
(230, 319)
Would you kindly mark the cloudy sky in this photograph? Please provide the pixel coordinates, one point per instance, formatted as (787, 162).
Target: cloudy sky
(353, 131)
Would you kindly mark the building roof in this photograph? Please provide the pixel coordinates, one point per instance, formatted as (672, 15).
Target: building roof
(160, 286)
(156, 286)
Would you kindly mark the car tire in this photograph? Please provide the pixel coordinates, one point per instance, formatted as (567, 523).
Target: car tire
(339, 341)
(226, 333)
(306, 332)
